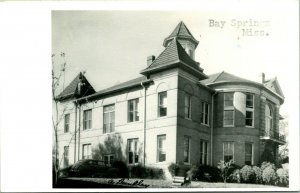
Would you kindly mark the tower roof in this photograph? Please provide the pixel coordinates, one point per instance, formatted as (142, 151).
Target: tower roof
(174, 56)
(180, 32)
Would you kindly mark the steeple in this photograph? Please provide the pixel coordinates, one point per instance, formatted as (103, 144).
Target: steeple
(182, 34)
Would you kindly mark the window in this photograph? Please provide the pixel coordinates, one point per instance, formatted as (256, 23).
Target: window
(191, 53)
(109, 159)
(186, 153)
(248, 153)
(67, 123)
(161, 148)
(249, 110)
(133, 155)
(162, 104)
(133, 113)
(203, 152)
(228, 119)
(87, 119)
(66, 156)
(205, 113)
(86, 151)
(269, 118)
(228, 151)
(109, 119)
(187, 106)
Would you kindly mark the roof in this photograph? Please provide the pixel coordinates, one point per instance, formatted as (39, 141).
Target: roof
(174, 56)
(273, 85)
(224, 77)
(181, 31)
(121, 86)
(71, 90)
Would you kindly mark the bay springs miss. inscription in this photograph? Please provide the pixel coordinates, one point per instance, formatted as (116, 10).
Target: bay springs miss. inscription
(123, 181)
(248, 27)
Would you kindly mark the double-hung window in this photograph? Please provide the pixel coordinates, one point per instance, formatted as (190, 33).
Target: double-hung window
(161, 148)
(66, 156)
(205, 113)
(203, 152)
(228, 119)
(248, 153)
(133, 113)
(133, 155)
(87, 119)
(67, 123)
(162, 104)
(109, 159)
(86, 151)
(228, 151)
(186, 150)
(269, 118)
(249, 110)
(187, 106)
(109, 119)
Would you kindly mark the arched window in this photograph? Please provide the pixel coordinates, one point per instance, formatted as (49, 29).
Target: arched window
(269, 117)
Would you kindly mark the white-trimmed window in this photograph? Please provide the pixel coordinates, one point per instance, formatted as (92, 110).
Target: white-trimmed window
(248, 153)
(109, 119)
(186, 150)
(86, 151)
(87, 119)
(162, 104)
(269, 117)
(187, 106)
(205, 113)
(109, 159)
(161, 148)
(66, 156)
(133, 154)
(67, 123)
(203, 152)
(133, 112)
(228, 151)
(228, 116)
(249, 121)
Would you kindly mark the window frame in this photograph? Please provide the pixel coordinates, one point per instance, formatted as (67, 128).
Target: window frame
(111, 123)
(269, 118)
(163, 106)
(67, 123)
(250, 109)
(188, 138)
(252, 152)
(135, 151)
(135, 110)
(203, 113)
(203, 152)
(109, 162)
(66, 155)
(188, 115)
(87, 119)
(89, 150)
(229, 108)
(159, 150)
(228, 142)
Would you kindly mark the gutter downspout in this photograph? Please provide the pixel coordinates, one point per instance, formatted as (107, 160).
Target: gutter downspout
(212, 128)
(144, 123)
(75, 103)
(79, 118)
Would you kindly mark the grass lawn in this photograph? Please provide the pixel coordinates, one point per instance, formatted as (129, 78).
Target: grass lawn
(156, 183)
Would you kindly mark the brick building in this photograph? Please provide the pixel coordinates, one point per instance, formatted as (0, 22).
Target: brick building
(172, 113)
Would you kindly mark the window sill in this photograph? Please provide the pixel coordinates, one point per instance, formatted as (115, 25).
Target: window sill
(228, 125)
(205, 124)
(249, 126)
(188, 118)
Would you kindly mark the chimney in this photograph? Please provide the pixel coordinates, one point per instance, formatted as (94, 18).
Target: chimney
(150, 59)
(262, 78)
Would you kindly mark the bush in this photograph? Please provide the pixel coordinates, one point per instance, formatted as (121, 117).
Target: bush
(269, 175)
(247, 174)
(205, 173)
(258, 174)
(283, 177)
(123, 171)
(235, 176)
(139, 171)
(173, 168)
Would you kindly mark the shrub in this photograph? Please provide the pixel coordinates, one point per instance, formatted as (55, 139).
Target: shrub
(173, 168)
(247, 174)
(139, 171)
(192, 173)
(283, 177)
(266, 164)
(269, 175)
(209, 173)
(258, 174)
(123, 171)
(235, 176)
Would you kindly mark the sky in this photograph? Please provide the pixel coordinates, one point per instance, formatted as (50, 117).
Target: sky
(112, 46)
